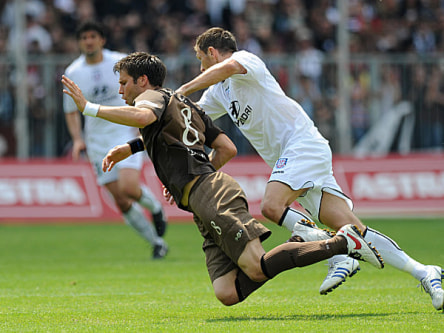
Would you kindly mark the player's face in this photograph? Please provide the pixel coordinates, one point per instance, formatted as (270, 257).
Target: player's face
(128, 88)
(91, 43)
(206, 59)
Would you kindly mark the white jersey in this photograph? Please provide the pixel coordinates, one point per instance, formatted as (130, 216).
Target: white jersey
(268, 118)
(100, 84)
(277, 127)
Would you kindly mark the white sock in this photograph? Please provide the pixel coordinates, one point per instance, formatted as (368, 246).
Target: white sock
(393, 255)
(290, 217)
(135, 218)
(149, 201)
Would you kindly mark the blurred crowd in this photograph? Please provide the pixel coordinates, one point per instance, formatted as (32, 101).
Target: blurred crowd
(303, 28)
(269, 26)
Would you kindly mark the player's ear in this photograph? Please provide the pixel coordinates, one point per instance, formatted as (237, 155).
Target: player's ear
(211, 51)
(143, 80)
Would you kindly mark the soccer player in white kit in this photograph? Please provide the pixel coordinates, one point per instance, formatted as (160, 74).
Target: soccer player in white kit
(239, 84)
(93, 72)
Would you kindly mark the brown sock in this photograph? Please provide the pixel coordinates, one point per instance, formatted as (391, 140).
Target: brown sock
(295, 254)
(245, 286)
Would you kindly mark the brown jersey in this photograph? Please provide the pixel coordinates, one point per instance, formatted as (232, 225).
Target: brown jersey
(175, 142)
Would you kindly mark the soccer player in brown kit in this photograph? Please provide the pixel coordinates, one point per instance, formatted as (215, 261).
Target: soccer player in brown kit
(174, 132)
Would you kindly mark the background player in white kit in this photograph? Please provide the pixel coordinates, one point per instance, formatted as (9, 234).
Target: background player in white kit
(239, 84)
(93, 72)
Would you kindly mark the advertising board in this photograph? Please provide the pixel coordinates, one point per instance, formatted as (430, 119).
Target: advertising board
(59, 190)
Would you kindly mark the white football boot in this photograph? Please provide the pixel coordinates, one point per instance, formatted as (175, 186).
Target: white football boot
(432, 285)
(358, 248)
(309, 232)
(338, 269)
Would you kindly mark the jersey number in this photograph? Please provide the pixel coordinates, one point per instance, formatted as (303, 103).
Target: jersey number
(186, 114)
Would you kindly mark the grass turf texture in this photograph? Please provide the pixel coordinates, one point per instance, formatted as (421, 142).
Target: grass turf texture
(100, 278)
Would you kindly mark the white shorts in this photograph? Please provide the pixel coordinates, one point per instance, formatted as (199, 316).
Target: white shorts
(99, 145)
(308, 165)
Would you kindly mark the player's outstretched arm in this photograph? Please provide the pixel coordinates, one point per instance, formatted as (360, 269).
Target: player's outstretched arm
(125, 115)
(212, 75)
(115, 155)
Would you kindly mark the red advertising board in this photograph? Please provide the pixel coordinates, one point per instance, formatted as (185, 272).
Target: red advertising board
(396, 185)
(59, 190)
(46, 190)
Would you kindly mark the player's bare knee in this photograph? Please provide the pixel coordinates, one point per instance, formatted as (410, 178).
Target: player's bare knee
(272, 212)
(227, 297)
(123, 205)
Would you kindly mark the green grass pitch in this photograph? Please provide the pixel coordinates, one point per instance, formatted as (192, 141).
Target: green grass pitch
(100, 278)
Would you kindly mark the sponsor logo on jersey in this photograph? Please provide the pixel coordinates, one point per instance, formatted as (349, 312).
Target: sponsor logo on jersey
(238, 117)
(196, 153)
(238, 235)
(235, 109)
(102, 94)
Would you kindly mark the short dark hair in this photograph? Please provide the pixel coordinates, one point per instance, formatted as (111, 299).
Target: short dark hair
(222, 40)
(90, 26)
(138, 64)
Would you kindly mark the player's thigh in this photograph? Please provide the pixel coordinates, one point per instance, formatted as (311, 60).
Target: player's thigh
(129, 175)
(280, 194)
(129, 182)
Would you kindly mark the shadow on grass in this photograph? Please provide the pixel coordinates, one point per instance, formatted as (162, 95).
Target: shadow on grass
(303, 317)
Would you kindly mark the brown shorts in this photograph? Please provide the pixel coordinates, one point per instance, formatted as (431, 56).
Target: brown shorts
(221, 213)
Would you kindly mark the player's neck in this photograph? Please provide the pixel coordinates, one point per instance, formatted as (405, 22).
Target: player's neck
(94, 58)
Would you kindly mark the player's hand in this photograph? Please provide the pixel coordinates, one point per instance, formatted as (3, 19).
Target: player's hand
(180, 90)
(74, 91)
(167, 195)
(115, 155)
(78, 148)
